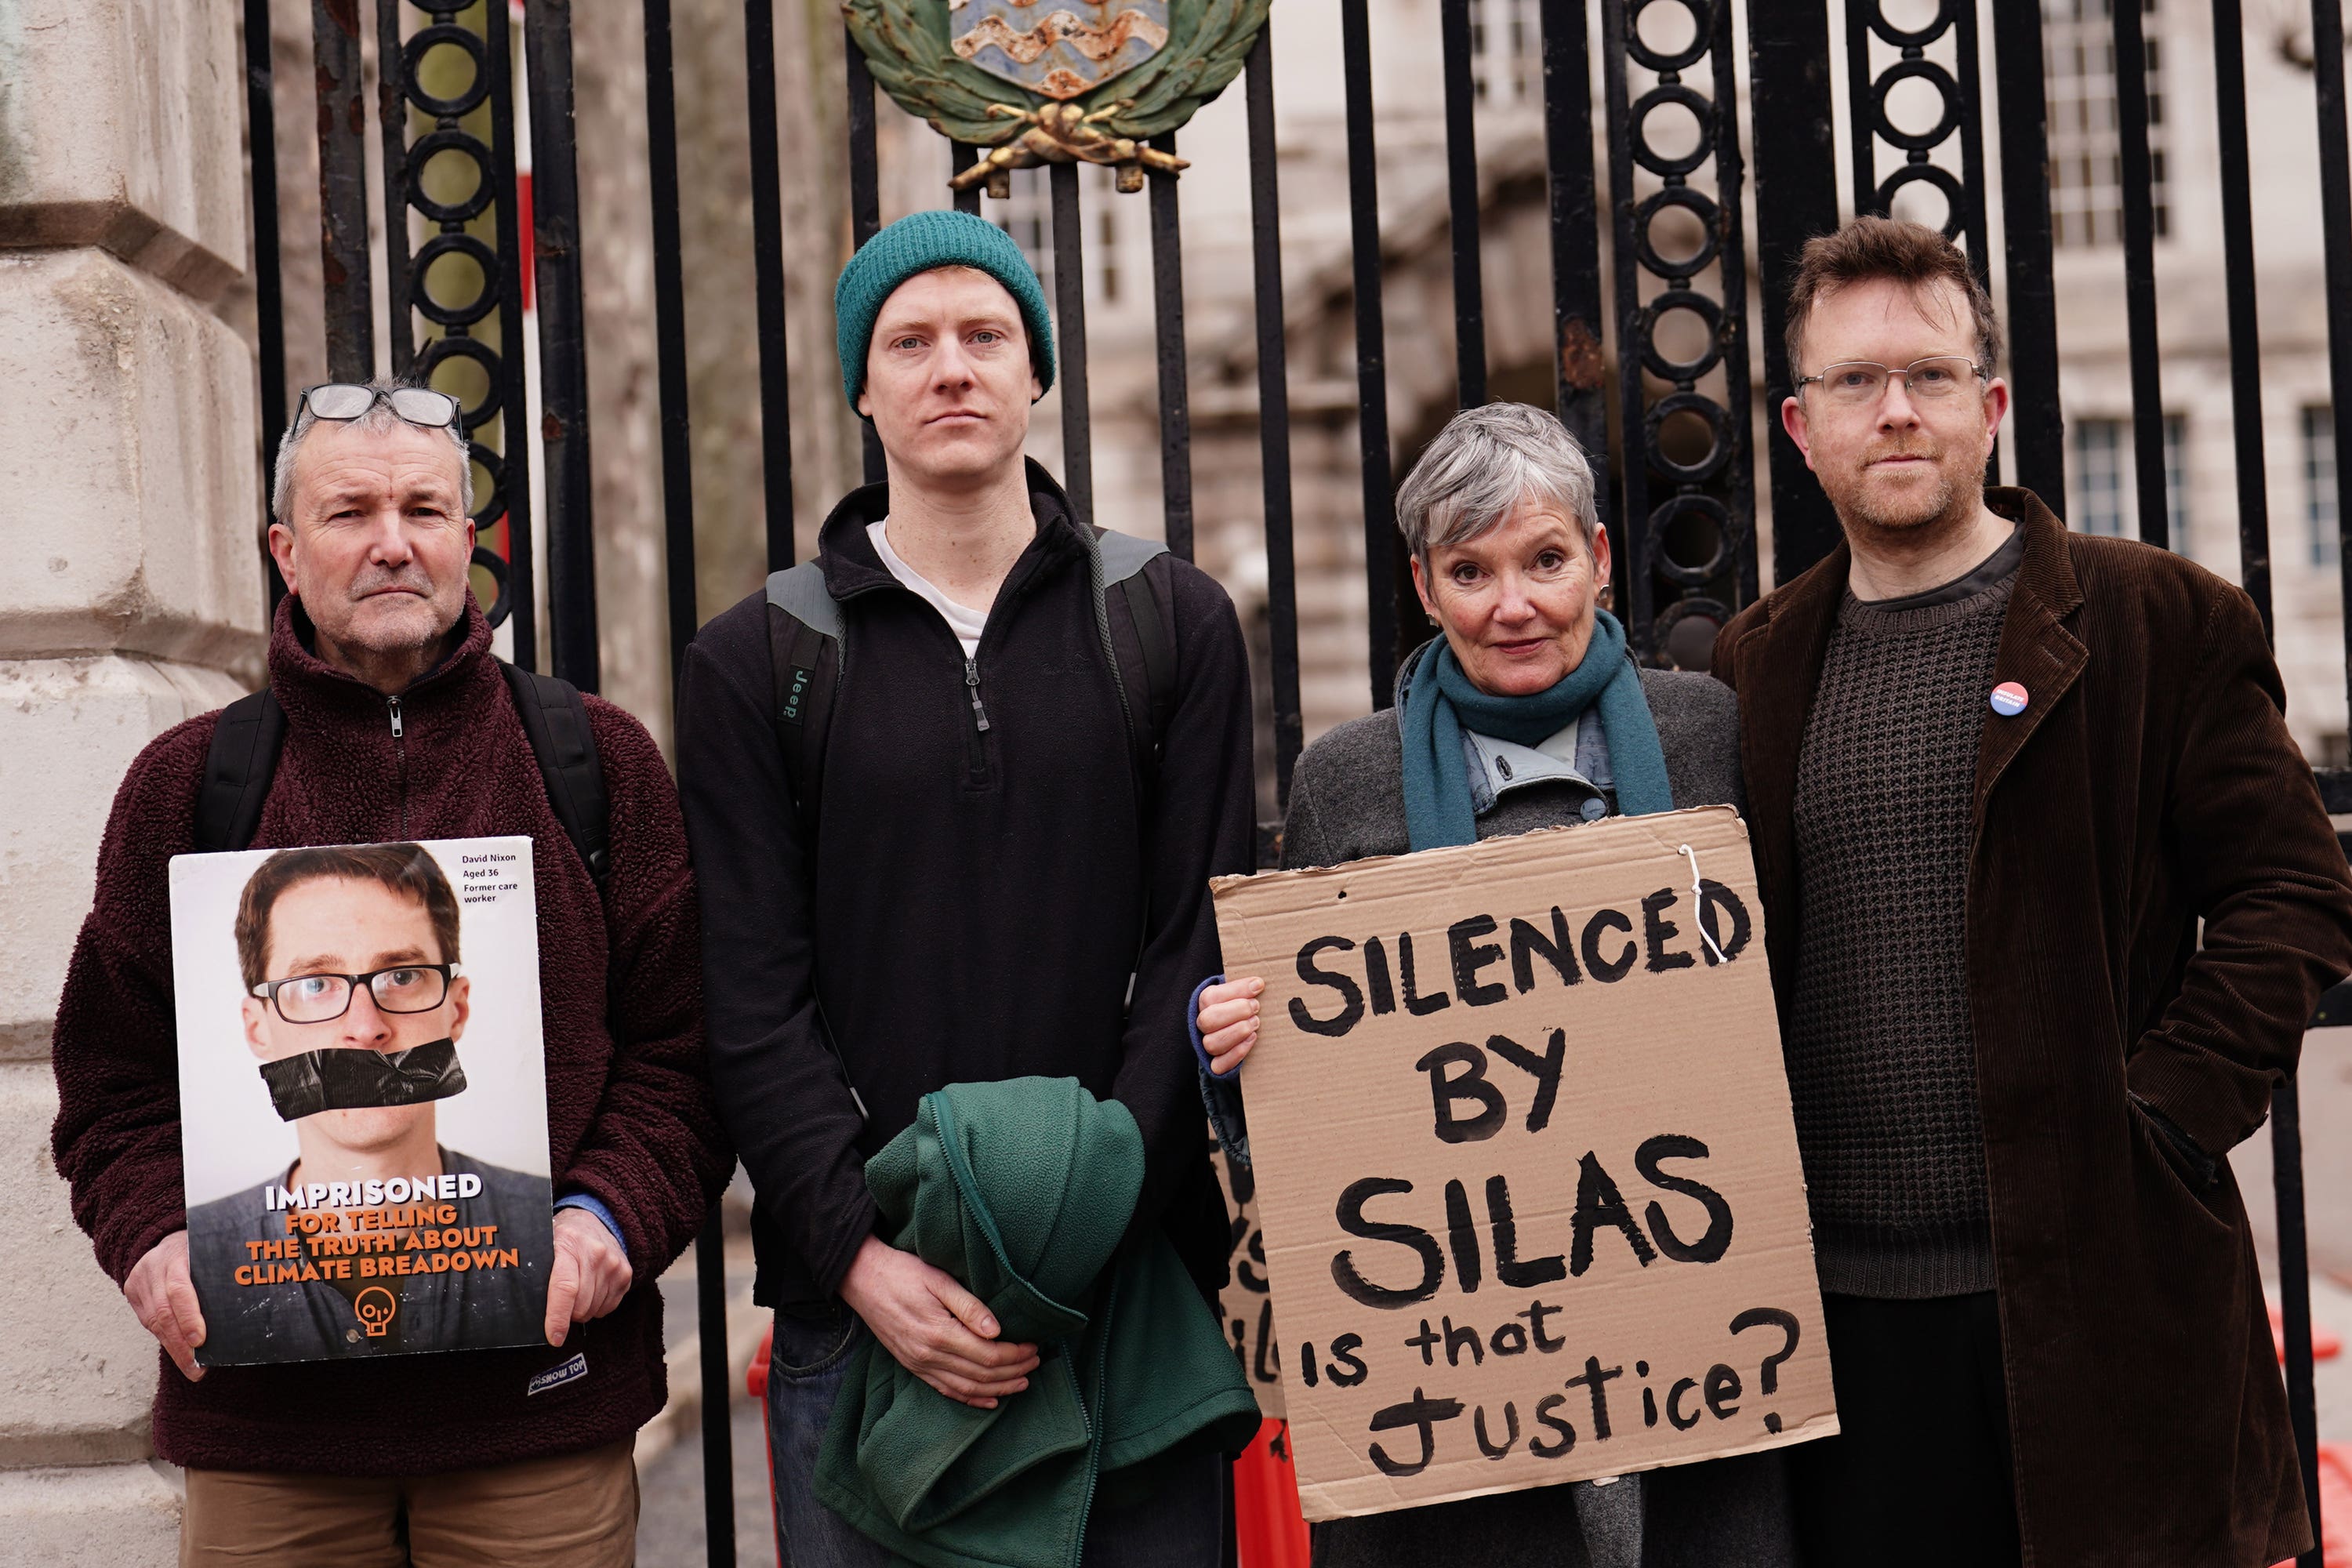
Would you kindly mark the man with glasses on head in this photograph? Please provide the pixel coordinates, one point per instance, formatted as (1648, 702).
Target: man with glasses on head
(387, 719)
(358, 1063)
(1997, 774)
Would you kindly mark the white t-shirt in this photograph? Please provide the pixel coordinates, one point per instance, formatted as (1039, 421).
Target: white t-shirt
(965, 623)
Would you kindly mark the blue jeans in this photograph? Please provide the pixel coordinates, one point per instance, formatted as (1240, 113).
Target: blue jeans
(1180, 1524)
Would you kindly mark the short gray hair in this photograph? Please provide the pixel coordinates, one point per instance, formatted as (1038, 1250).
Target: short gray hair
(1484, 463)
(379, 416)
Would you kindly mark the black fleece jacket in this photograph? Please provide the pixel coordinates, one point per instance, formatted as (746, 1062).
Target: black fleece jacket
(975, 903)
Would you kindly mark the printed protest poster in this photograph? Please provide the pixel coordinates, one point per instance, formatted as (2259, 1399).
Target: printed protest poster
(362, 1099)
(1524, 1163)
(1243, 1305)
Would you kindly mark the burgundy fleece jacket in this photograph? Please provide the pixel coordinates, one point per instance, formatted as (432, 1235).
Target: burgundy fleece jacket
(629, 1113)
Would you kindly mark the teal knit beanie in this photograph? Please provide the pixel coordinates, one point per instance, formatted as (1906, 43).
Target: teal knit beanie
(917, 242)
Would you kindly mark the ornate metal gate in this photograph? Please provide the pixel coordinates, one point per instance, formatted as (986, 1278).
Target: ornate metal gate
(1680, 499)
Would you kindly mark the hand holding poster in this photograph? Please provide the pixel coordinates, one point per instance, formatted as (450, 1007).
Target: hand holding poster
(1528, 1180)
(363, 1108)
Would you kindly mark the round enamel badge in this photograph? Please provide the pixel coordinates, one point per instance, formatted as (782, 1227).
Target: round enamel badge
(2008, 700)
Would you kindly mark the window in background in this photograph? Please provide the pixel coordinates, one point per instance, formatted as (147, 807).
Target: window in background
(2319, 483)
(2086, 148)
(1503, 48)
(2105, 492)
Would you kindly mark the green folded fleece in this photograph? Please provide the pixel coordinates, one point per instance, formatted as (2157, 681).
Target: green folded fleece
(1022, 1190)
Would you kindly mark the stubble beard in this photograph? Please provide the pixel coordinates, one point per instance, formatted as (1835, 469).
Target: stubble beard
(1951, 506)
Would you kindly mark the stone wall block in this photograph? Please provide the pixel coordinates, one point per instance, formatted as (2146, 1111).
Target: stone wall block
(69, 729)
(128, 475)
(79, 1371)
(123, 1516)
(117, 128)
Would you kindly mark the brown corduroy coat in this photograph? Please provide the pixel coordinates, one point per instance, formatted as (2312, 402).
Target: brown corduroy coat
(2149, 783)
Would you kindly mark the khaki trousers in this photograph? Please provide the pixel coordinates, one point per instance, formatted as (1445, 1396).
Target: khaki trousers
(578, 1510)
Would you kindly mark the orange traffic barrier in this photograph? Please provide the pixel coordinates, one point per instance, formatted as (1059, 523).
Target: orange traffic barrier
(1267, 1522)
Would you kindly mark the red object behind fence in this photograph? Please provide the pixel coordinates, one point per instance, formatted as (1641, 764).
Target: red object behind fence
(1266, 1523)
(2334, 1506)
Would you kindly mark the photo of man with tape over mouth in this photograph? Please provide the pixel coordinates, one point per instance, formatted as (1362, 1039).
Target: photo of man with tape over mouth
(355, 1002)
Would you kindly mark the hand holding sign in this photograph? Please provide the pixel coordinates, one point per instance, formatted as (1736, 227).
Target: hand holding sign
(1525, 1167)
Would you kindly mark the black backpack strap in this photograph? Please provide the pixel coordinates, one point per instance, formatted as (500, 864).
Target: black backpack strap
(555, 719)
(805, 638)
(237, 771)
(1134, 573)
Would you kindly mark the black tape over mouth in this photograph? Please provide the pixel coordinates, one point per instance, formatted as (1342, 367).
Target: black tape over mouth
(349, 1079)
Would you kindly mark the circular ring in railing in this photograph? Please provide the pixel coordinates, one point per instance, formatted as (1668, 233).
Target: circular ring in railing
(1694, 605)
(430, 356)
(1701, 108)
(1701, 16)
(491, 562)
(1728, 537)
(425, 39)
(1681, 372)
(1955, 201)
(1696, 203)
(1935, 76)
(422, 152)
(489, 513)
(1947, 13)
(442, 246)
(1718, 425)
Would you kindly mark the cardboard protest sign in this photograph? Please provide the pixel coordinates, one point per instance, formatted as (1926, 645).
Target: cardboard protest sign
(1243, 1305)
(1524, 1158)
(362, 1099)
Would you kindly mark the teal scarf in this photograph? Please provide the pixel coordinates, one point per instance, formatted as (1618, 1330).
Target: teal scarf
(1441, 702)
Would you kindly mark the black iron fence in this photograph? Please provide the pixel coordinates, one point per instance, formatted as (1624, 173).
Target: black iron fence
(1662, 331)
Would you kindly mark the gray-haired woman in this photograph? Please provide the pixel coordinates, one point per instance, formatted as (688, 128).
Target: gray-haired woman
(1527, 712)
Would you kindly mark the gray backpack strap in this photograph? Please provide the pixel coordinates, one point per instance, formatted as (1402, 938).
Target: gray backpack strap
(805, 658)
(799, 591)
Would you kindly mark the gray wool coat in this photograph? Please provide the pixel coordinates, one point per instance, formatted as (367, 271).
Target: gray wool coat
(1347, 802)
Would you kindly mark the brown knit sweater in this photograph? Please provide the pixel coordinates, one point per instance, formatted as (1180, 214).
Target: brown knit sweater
(1882, 1062)
(629, 1115)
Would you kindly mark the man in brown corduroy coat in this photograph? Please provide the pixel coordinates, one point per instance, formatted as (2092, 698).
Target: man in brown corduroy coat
(1997, 773)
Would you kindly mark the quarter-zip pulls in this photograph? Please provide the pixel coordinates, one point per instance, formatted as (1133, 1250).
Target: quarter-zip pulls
(971, 682)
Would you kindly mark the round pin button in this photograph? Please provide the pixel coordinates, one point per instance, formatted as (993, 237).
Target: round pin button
(2008, 700)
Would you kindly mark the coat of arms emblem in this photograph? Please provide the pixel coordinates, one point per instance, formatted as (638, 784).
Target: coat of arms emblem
(1055, 82)
(1070, 50)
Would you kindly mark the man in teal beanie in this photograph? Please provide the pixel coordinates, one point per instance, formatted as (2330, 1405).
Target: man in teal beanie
(955, 790)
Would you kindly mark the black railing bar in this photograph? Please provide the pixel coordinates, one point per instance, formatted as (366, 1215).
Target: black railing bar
(2037, 423)
(392, 126)
(1070, 340)
(1790, 127)
(1730, 178)
(1462, 195)
(865, 197)
(2140, 270)
(677, 535)
(562, 345)
(1861, 121)
(1633, 574)
(962, 155)
(1274, 414)
(2336, 235)
(2295, 1295)
(1381, 546)
(1974, 219)
(514, 392)
(1580, 372)
(768, 279)
(268, 288)
(1168, 332)
(342, 191)
(2245, 340)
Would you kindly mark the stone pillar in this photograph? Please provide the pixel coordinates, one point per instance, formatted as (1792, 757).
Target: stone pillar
(130, 598)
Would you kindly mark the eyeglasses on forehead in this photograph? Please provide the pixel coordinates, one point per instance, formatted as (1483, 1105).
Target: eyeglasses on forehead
(344, 400)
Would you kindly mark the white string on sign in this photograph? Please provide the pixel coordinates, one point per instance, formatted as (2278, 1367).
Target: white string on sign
(1699, 903)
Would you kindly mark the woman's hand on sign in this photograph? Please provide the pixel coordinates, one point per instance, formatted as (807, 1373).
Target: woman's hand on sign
(161, 1292)
(1228, 1022)
(934, 1327)
(591, 1273)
